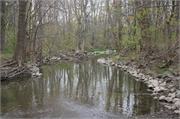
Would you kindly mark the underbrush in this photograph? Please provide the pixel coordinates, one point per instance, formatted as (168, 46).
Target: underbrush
(7, 56)
(93, 50)
(148, 62)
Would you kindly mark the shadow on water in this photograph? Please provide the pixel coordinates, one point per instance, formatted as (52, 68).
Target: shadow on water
(77, 90)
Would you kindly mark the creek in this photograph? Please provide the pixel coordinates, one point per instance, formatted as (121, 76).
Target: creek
(77, 90)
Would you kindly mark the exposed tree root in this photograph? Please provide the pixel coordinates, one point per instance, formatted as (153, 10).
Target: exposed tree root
(7, 64)
(15, 72)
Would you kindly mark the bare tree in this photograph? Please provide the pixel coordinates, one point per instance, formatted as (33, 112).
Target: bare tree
(20, 51)
(3, 24)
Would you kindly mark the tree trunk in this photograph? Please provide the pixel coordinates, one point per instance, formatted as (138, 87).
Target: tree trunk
(108, 20)
(3, 25)
(20, 51)
(40, 32)
(85, 2)
(177, 12)
(168, 24)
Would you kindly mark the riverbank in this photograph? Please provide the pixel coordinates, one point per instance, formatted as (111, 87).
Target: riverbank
(164, 87)
(11, 70)
(129, 67)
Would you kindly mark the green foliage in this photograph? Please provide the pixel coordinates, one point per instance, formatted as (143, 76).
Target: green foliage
(112, 56)
(9, 52)
(10, 45)
(7, 55)
(101, 55)
(93, 50)
(101, 36)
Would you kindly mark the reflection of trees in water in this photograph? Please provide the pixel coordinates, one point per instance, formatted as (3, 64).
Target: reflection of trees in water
(87, 83)
(127, 96)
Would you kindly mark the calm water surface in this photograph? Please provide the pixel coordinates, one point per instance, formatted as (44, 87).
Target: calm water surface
(77, 90)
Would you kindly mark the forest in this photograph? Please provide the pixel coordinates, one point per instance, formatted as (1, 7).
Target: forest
(146, 30)
(51, 48)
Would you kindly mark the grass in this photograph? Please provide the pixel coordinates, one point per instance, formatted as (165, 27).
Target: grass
(7, 56)
(93, 50)
(102, 55)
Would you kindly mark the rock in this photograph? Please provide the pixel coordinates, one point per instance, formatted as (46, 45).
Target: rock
(173, 107)
(108, 61)
(159, 76)
(173, 89)
(101, 52)
(168, 80)
(161, 81)
(36, 74)
(85, 52)
(163, 89)
(143, 77)
(136, 75)
(154, 94)
(150, 86)
(177, 112)
(154, 83)
(172, 95)
(165, 76)
(34, 69)
(161, 98)
(112, 64)
(169, 99)
(146, 79)
(157, 89)
(77, 51)
(170, 86)
(30, 64)
(178, 94)
(150, 78)
(170, 107)
(163, 84)
(176, 99)
(177, 104)
(54, 58)
(155, 97)
(102, 61)
(175, 74)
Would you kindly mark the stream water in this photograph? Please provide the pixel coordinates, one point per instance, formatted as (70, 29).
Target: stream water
(77, 90)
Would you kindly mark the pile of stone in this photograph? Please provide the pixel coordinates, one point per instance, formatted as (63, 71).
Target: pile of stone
(164, 87)
(74, 56)
(101, 52)
(34, 70)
